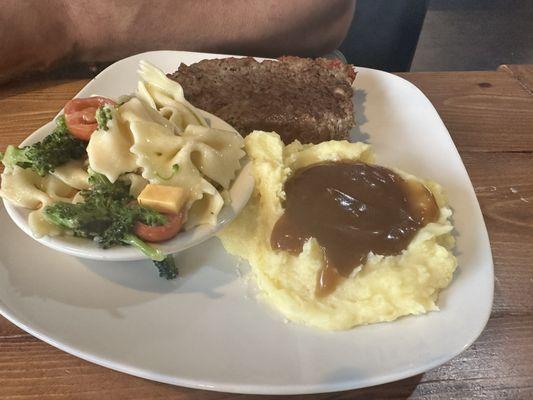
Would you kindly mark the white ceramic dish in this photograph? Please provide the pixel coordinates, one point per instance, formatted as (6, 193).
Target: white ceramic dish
(207, 330)
(239, 192)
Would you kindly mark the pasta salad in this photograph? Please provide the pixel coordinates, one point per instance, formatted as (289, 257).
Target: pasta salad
(127, 171)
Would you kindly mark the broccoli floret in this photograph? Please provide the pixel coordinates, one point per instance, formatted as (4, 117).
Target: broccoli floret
(167, 268)
(43, 157)
(104, 194)
(103, 116)
(82, 219)
(151, 217)
(108, 215)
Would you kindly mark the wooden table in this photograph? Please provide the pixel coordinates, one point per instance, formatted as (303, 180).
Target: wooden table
(490, 117)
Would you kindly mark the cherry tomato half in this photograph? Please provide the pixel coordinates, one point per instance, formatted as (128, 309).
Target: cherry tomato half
(162, 232)
(80, 115)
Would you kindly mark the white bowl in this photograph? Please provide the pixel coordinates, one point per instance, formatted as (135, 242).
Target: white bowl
(207, 331)
(240, 192)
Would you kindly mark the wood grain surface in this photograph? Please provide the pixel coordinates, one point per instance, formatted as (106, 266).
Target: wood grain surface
(490, 117)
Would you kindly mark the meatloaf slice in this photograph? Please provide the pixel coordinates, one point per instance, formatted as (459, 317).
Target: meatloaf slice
(299, 98)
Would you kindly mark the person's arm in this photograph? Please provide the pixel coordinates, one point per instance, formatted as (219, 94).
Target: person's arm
(38, 34)
(34, 35)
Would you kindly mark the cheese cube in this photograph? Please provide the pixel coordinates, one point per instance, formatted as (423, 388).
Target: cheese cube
(165, 199)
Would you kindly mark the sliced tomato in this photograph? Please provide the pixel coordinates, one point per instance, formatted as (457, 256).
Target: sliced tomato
(80, 115)
(162, 232)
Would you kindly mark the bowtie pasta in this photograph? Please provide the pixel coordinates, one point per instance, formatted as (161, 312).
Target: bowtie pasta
(154, 137)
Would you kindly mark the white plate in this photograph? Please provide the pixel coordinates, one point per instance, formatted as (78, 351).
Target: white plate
(207, 330)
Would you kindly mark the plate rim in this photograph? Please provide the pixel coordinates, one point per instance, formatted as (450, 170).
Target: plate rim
(284, 389)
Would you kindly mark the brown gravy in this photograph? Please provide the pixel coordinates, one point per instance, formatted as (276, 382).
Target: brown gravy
(351, 208)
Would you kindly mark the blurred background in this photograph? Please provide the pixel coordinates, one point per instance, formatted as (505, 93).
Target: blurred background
(440, 35)
(422, 35)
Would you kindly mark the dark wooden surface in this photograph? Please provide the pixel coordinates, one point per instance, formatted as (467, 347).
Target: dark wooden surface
(490, 117)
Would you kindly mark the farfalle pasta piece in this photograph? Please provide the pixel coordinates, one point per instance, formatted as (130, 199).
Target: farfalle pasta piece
(206, 209)
(158, 150)
(216, 153)
(201, 154)
(40, 226)
(25, 188)
(109, 150)
(135, 110)
(198, 151)
(166, 96)
(74, 174)
(136, 182)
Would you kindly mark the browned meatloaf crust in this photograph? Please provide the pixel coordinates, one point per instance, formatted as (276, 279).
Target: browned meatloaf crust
(299, 98)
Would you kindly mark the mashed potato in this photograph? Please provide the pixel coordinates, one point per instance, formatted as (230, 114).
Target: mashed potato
(382, 289)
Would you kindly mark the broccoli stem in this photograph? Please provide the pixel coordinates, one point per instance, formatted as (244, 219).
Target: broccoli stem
(153, 253)
(60, 220)
(165, 264)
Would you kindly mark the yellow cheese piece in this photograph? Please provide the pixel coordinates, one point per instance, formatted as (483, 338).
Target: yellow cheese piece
(165, 199)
